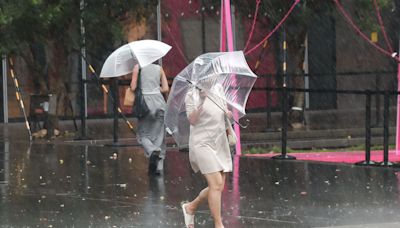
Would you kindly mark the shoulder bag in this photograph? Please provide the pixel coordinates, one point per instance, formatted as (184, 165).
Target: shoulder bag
(140, 108)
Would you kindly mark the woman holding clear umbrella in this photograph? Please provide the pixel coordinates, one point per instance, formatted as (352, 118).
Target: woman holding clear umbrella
(151, 129)
(209, 150)
(225, 81)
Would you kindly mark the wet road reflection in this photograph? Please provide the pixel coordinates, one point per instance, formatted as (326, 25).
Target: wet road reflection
(65, 185)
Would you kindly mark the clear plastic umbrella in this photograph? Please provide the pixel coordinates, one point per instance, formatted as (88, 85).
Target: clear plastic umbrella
(222, 75)
(142, 52)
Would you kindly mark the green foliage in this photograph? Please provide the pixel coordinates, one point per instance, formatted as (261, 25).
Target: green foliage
(363, 11)
(263, 150)
(27, 21)
(255, 150)
(277, 149)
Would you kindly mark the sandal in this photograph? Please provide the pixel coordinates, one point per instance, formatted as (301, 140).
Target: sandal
(189, 219)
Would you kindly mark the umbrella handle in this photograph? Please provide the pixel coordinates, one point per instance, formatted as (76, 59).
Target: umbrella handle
(247, 123)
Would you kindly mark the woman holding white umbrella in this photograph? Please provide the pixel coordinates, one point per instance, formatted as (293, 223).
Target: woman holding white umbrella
(151, 130)
(153, 82)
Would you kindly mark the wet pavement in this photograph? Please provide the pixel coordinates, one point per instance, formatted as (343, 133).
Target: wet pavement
(84, 184)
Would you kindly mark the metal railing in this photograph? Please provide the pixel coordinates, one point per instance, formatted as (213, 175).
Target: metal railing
(387, 94)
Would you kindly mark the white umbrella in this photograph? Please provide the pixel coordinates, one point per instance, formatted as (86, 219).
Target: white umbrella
(142, 52)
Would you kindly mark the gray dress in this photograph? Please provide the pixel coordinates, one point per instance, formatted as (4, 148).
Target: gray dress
(151, 129)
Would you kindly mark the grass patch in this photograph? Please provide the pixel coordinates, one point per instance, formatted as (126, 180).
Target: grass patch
(277, 150)
(262, 150)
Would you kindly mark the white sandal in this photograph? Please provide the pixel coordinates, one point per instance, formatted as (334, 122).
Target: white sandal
(189, 219)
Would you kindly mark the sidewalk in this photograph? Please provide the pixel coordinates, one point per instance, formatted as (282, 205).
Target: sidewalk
(63, 183)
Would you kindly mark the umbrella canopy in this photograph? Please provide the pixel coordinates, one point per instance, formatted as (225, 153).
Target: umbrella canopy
(224, 76)
(142, 52)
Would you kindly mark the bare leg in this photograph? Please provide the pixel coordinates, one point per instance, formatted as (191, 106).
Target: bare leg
(212, 193)
(192, 206)
(216, 182)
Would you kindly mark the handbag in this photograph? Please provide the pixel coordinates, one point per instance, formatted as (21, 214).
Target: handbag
(230, 133)
(129, 97)
(140, 108)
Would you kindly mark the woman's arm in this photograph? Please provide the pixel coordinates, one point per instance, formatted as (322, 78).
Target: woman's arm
(135, 73)
(164, 82)
(194, 105)
(194, 116)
